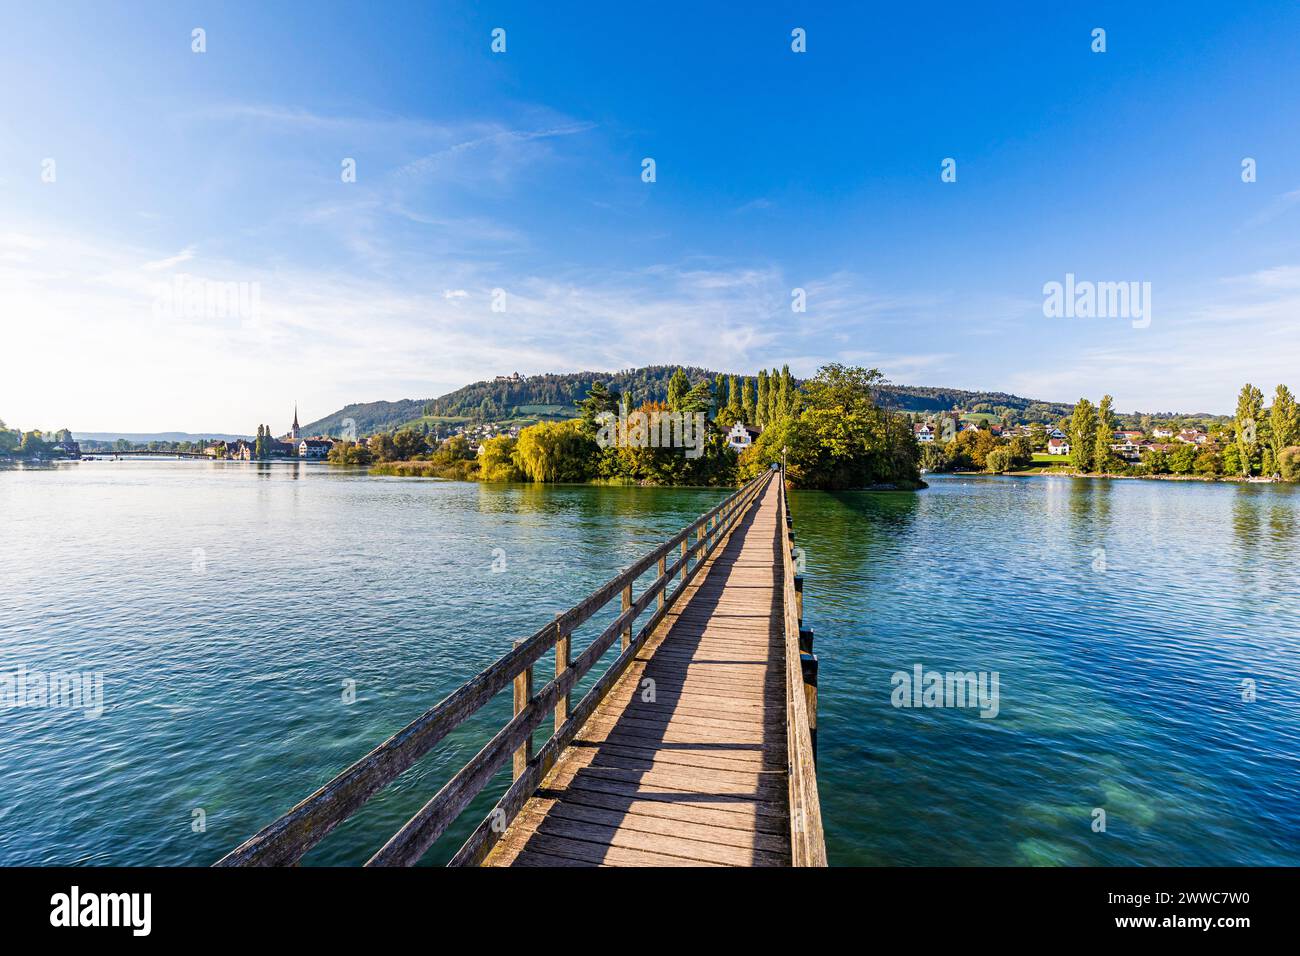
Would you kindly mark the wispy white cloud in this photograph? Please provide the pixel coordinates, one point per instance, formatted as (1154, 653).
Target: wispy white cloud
(185, 255)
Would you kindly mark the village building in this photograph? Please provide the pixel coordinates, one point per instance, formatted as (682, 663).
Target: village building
(314, 449)
(742, 436)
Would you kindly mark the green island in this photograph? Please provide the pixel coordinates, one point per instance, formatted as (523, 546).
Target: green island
(831, 431)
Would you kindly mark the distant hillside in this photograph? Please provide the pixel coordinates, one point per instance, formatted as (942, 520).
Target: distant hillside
(367, 417)
(553, 396)
(533, 397)
(922, 398)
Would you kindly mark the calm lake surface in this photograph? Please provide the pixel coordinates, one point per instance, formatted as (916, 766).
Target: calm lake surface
(232, 607)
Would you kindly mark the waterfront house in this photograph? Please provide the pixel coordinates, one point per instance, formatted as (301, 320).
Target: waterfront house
(742, 436)
(923, 433)
(1058, 446)
(314, 449)
(1128, 450)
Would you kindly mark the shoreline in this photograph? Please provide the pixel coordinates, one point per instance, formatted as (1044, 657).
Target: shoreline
(1209, 479)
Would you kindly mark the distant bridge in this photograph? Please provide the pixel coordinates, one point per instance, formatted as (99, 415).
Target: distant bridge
(138, 453)
(713, 765)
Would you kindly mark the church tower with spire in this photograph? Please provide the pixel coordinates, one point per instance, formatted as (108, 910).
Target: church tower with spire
(293, 432)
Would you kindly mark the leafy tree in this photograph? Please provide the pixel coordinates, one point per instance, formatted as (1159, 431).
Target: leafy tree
(1207, 463)
(999, 460)
(497, 460)
(382, 447)
(1284, 419)
(971, 450)
(698, 399)
(1250, 413)
(1182, 460)
(1103, 459)
(787, 399)
(599, 400)
(733, 398)
(9, 439)
(760, 407)
(408, 443)
(1021, 449)
(555, 451)
(678, 386)
(747, 410)
(1288, 463)
(34, 443)
(934, 457)
(349, 453)
(1083, 435)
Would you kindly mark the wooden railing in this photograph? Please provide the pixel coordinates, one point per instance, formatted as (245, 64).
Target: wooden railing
(287, 839)
(807, 841)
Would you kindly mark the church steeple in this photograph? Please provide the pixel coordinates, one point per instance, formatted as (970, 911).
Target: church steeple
(294, 430)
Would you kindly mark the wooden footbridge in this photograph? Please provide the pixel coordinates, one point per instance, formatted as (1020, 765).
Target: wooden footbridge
(695, 747)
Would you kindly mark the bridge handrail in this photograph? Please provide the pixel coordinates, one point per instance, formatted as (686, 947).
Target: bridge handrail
(807, 840)
(287, 839)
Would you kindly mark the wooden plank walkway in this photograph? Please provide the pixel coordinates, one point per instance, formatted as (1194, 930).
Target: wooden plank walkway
(695, 746)
(684, 763)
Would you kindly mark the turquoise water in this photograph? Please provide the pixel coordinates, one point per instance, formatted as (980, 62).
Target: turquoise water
(1122, 618)
(229, 607)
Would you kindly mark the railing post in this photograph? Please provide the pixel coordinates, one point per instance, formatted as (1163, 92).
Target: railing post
(523, 691)
(798, 595)
(808, 663)
(627, 603)
(663, 592)
(561, 665)
(684, 561)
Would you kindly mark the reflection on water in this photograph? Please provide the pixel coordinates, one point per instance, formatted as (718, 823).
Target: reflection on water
(1120, 679)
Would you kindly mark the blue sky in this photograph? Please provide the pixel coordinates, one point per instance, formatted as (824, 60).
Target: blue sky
(521, 171)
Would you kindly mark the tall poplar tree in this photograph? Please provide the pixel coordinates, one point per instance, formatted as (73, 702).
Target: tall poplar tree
(1250, 412)
(1083, 435)
(760, 412)
(746, 400)
(1102, 457)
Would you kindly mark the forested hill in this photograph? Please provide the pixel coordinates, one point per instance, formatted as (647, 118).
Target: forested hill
(922, 398)
(503, 399)
(553, 395)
